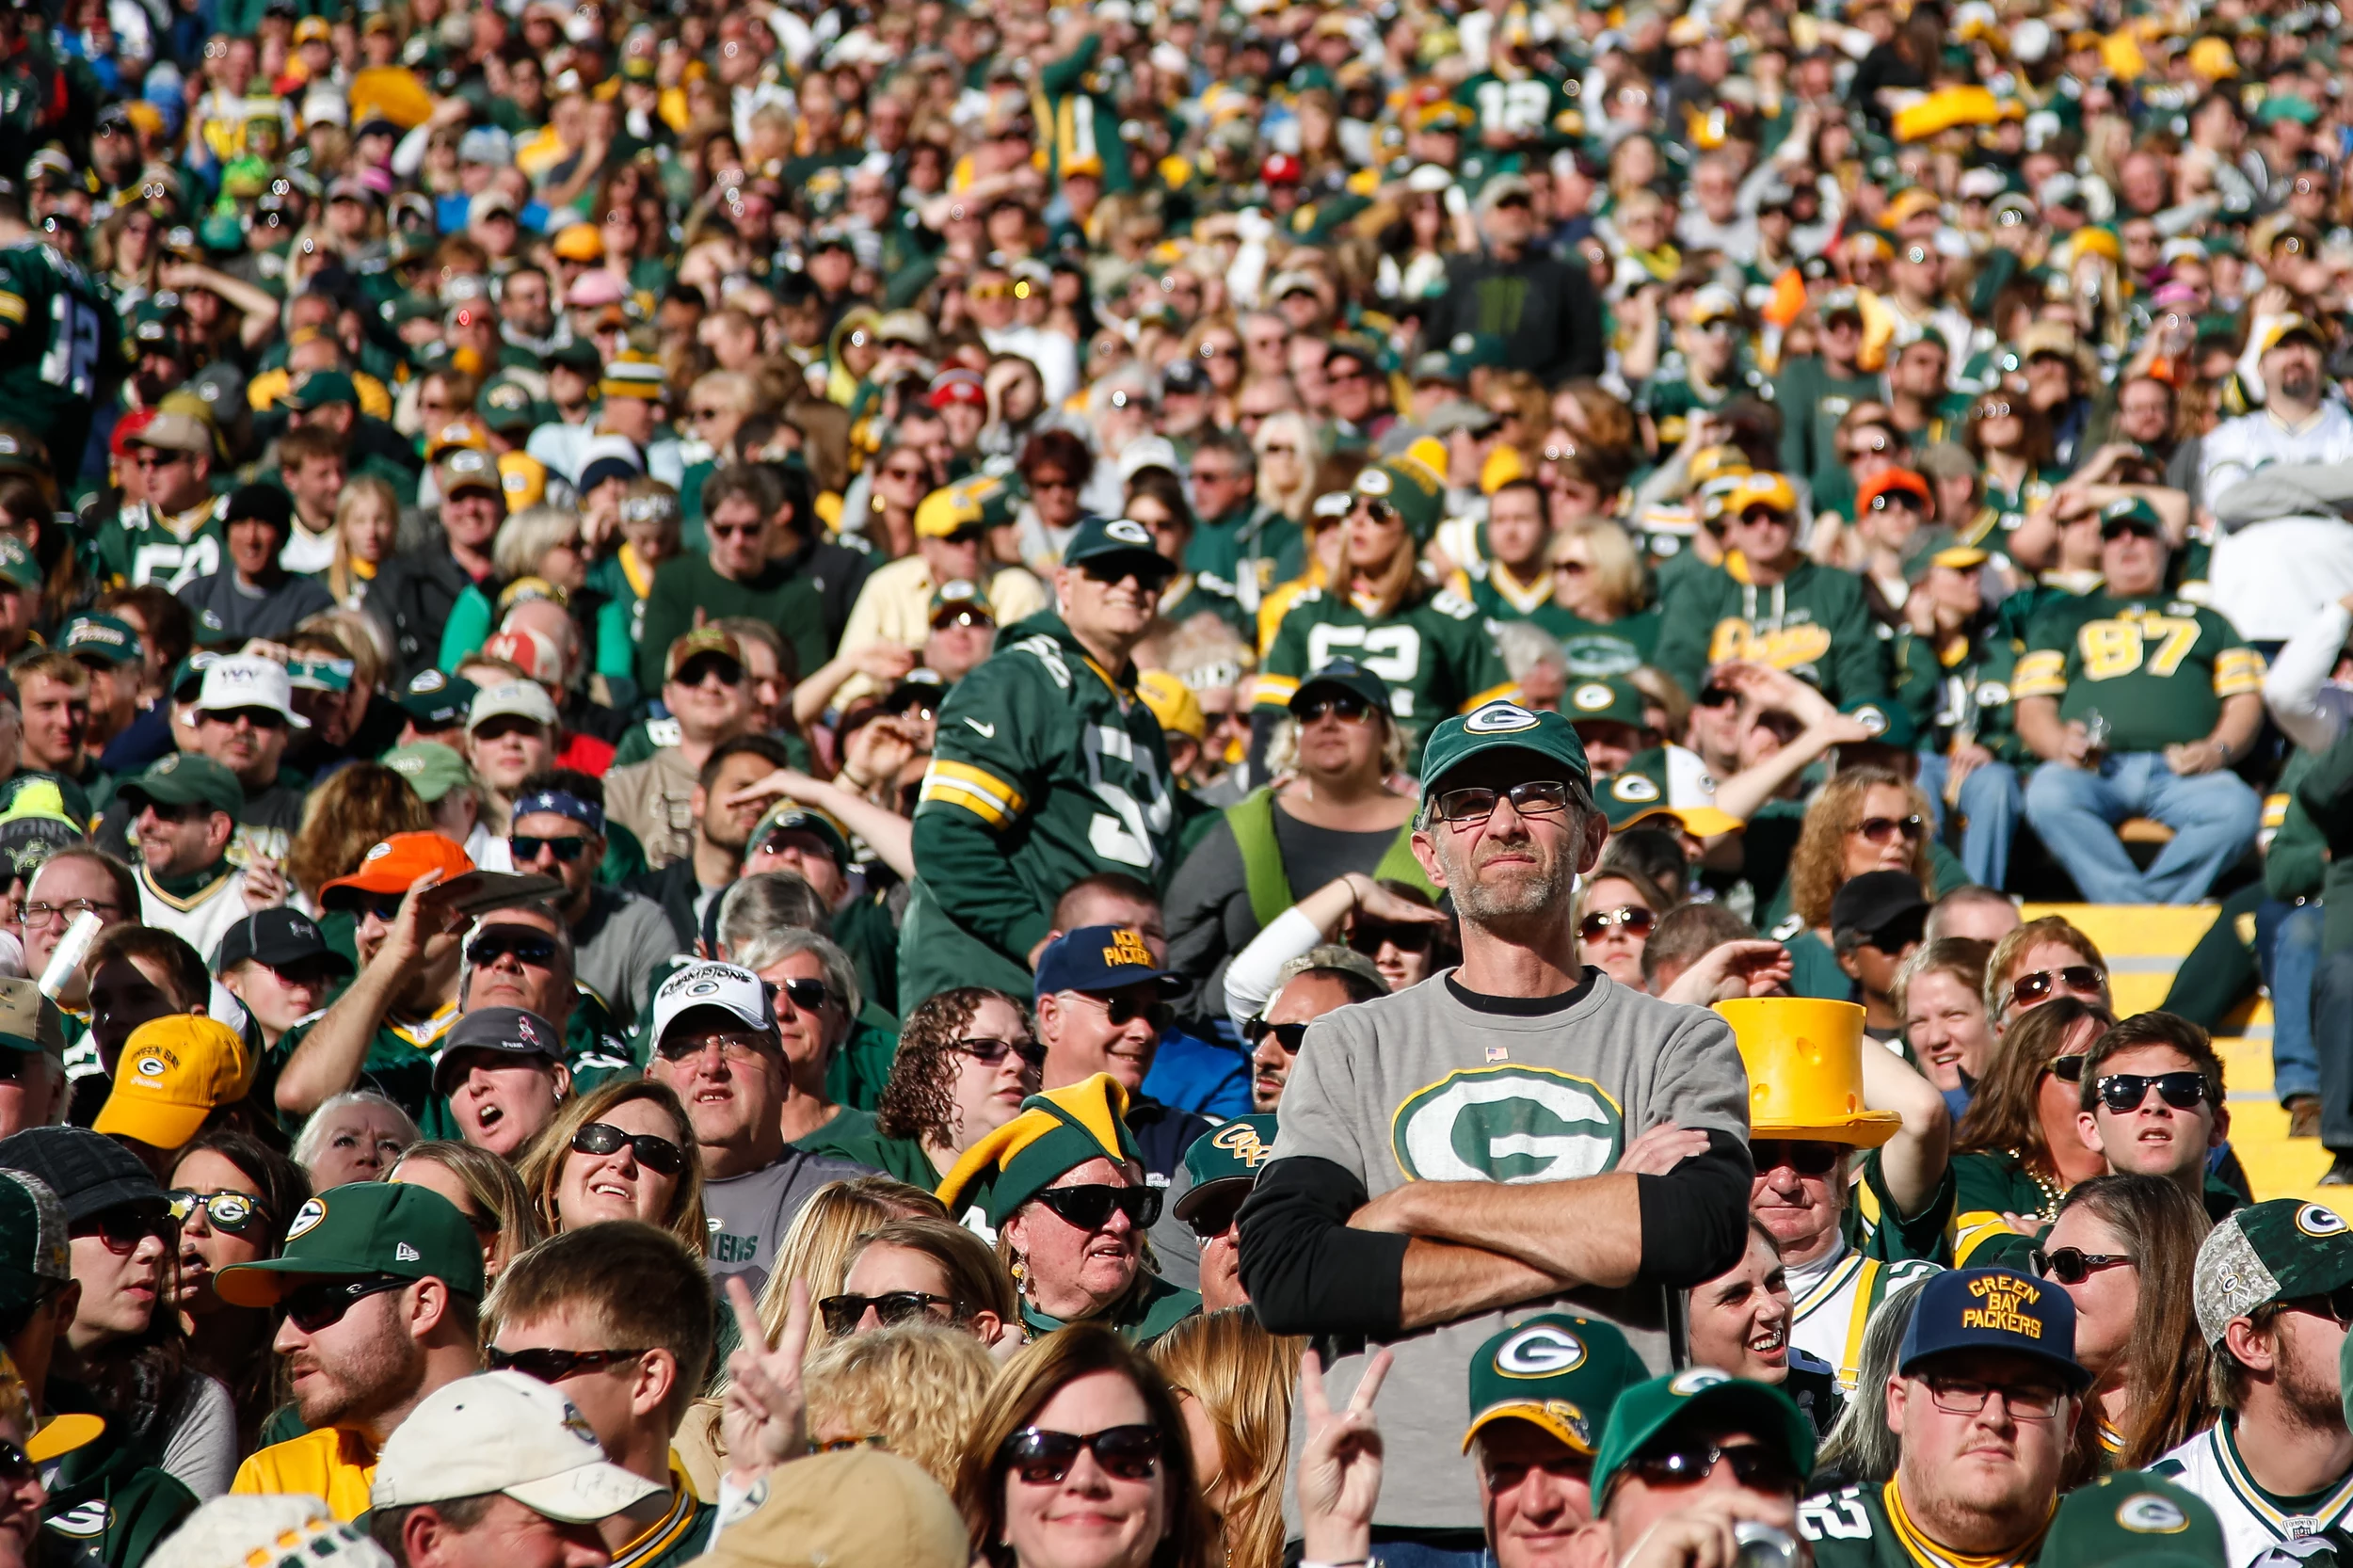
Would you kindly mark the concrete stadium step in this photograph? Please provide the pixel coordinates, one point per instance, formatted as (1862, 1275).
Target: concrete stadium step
(2144, 945)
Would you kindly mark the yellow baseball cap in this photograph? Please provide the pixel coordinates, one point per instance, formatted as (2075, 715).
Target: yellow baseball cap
(1761, 489)
(175, 1071)
(579, 242)
(1173, 703)
(523, 479)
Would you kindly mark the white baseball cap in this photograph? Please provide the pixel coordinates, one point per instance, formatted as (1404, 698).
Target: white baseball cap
(249, 681)
(712, 984)
(508, 1432)
(526, 699)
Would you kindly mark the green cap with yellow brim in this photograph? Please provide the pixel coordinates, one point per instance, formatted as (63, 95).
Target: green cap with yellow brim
(790, 816)
(1500, 726)
(1648, 1408)
(2135, 1517)
(1056, 1132)
(360, 1229)
(1556, 1371)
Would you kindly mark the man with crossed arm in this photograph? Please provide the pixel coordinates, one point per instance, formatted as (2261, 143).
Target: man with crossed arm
(1463, 1155)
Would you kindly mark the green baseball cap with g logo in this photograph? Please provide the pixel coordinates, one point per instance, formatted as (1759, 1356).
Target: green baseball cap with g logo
(1498, 726)
(2135, 1518)
(2280, 1251)
(1611, 697)
(1557, 1371)
(1647, 1410)
(363, 1228)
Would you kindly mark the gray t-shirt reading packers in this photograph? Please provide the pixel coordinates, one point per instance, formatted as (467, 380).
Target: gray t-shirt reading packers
(1439, 1084)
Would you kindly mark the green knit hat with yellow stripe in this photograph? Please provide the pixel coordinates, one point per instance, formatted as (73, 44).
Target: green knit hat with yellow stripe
(1056, 1132)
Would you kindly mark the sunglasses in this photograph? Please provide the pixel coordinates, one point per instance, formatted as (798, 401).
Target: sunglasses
(16, 1466)
(553, 1366)
(125, 1226)
(1290, 1036)
(232, 1213)
(525, 946)
(1753, 1464)
(323, 1302)
(2027, 989)
(1043, 1457)
(842, 1313)
(1347, 707)
(1123, 1011)
(1637, 921)
(2073, 1265)
(2123, 1091)
(991, 1051)
(1886, 830)
(1715, 697)
(528, 849)
(806, 995)
(1369, 936)
(1537, 797)
(1994, 411)
(1090, 1208)
(696, 671)
(1805, 1156)
(658, 1155)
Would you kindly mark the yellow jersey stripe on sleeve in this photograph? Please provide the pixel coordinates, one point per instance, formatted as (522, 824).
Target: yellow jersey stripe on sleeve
(2041, 673)
(2237, 670)
(977, 781)
(12, 307)
(1273, 691)
(1508, 692)
(948, 791)
(1972, 1231)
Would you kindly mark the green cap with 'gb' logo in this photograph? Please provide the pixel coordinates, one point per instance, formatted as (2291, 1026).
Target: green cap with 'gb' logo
(1556, 1371)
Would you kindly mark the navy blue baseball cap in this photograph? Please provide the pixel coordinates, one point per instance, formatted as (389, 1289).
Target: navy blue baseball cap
(1995, 1309)
(1100, 958)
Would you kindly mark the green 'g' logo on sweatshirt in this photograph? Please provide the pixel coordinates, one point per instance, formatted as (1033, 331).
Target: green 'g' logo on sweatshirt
(1508, 1124)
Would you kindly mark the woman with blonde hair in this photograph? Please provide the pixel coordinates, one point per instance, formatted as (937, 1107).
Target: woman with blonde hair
(924, 1268)
(1287, 452)
(823, 1236)
(1864, 820)
(624, 1150)
(1232, 1383)
(913, 1389)
(486, 1191)
(1940, 995)
(1616, 910)
(1079, 1459)
(347, 813)
(1599, 607)
(367, 523)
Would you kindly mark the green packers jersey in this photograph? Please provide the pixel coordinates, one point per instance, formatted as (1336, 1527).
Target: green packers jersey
(2155, 669)
(1438, 655)
(62, 339)
(1866, 1527)
(1047, 769)
(1533, 108)
(1813, 402)
(1961, 691)
(2005, 509)
(1813, 623)
(143, 546)
(1987, 1186)
(1594, 649)
(1676, 393)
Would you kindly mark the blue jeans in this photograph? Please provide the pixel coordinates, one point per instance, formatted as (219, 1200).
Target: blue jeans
(2074, 813)
(1991, 804)
(2287, 942)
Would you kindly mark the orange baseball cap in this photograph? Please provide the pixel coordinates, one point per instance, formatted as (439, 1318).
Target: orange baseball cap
(396, 863)
(1892, 479)
(175, 1071)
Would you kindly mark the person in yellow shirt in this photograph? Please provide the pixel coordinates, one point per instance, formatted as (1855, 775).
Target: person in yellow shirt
(382, 1287)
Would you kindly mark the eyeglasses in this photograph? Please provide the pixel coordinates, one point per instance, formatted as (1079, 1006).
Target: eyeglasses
(16, 1466)
(1571, 567)
(1090, 1208)
(1043, 1457)
(1290, 1036)
(1347, 707)
(842, 1313)
(2068, 1068)
(2073, 1265)
(125, 1226)
(1370, 936)
(148, 457)
(1637, 921)
(2337, 1306)
(41, 914)
(1538, 797)
(525, 944)
(550, 1366)
(991, 1051)
(528, 848)
(1374, 507)
(1121, 1011)
(740, 1046)
(658, 1155)
(259, 718)
(1886, 830)
(2031, 1401)
(1994, 411)
(1715, 697)
(1753, 1464)
(231, 1212)
(323, 1302)
(2123, 1091)
(1805, 1156)
(1055, 482)
(2027, 989)
(808, 994)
